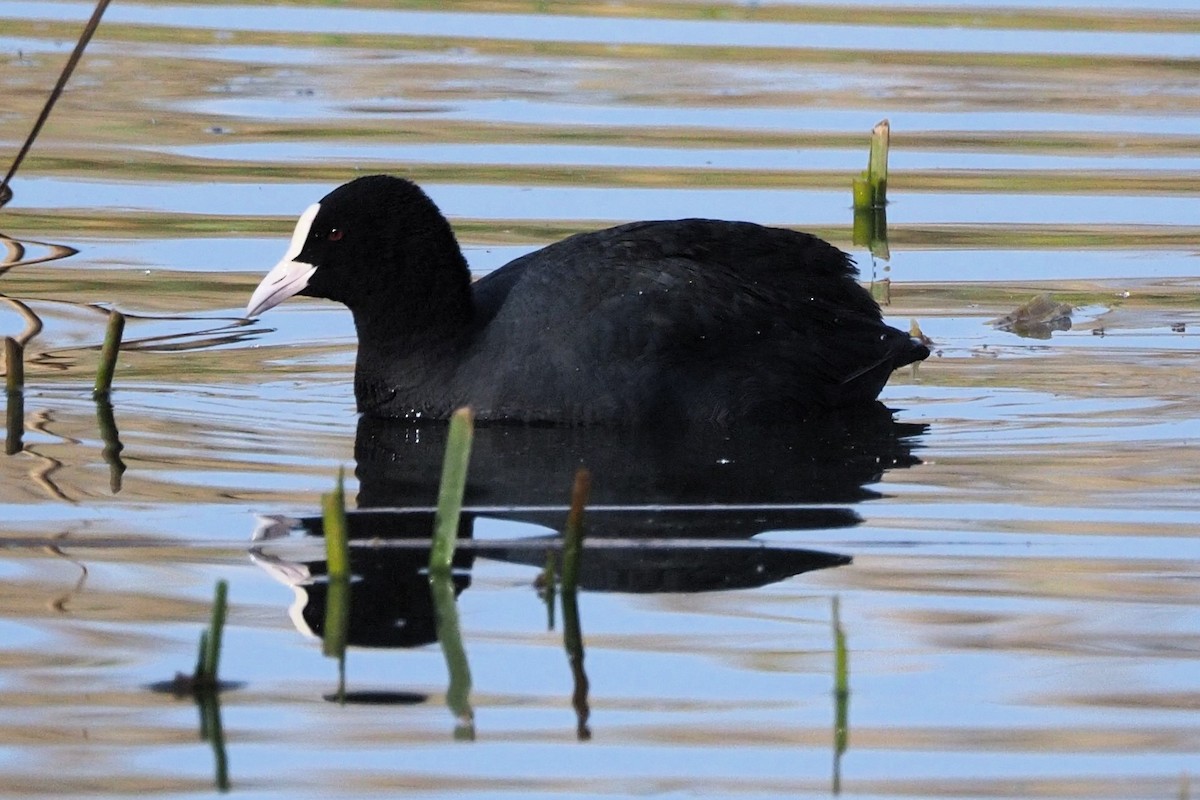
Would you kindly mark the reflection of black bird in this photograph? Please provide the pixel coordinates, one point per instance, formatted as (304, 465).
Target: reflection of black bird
(691, 320)
(669, 513)
(700, 483)
(391, 605)
(830, 459)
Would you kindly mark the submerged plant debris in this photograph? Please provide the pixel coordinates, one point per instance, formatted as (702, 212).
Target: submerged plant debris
(1036, 319)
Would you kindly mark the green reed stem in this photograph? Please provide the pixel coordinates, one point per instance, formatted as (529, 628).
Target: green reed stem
(840, 685)
(209, 656)
(841, 695)
(451, 490)
(212, 732)
(870, 188)
(210, 659)
(573, 644)
(449, 634)
(109, 353)
(337, 538)
(198, 680)
(335, 635)
(111, 452)
(841, 660)
(572, 631)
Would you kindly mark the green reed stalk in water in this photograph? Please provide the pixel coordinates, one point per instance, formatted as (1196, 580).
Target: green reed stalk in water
(213, 732)
(841, 694)
(333, 521)
(209, 657)
(336, 631)
(335, 634)
(108, 354)
(109, 434)
(870, 201)
(449, 634)
(451, 490)
(870, 188)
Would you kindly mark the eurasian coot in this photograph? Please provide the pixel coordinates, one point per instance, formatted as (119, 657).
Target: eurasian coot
(693, 320)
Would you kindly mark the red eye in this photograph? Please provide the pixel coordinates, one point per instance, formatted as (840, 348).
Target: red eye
(336, 235)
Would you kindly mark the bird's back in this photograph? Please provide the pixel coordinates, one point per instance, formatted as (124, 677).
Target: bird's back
(703, 319)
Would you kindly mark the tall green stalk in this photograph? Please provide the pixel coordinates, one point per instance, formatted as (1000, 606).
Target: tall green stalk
(337, 537)
(108, 353)
(451, 490)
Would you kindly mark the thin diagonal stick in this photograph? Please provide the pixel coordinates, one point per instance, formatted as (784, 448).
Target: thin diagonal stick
(76, 54)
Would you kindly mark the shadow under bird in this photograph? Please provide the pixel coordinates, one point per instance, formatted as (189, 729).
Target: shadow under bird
(691, 320)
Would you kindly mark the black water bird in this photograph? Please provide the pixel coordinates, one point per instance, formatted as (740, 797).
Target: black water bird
(695, 320)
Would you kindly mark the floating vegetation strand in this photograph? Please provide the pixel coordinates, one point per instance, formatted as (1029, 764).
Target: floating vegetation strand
(451, 490)
(64, 76)
(108, 353)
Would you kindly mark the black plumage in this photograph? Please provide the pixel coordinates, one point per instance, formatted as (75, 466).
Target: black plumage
(697, 320)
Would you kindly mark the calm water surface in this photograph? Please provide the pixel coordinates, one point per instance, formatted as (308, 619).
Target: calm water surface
(1021, 612)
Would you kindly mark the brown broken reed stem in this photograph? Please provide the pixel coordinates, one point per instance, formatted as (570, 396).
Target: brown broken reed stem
(14, 365)
(573, 534)
(64, 76)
